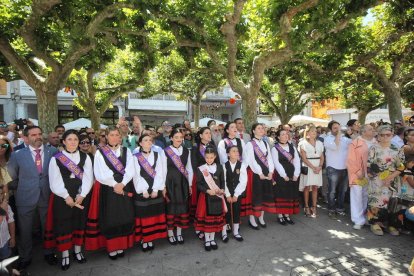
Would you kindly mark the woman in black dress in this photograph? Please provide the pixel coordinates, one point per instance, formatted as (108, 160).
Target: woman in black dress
(287, 164)
(178, 181)
(70, 178)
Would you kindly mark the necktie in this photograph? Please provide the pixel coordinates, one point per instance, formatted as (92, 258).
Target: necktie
(241, 136)
(38, 161)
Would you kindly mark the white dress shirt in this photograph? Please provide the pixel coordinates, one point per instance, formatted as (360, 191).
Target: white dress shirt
(57, 186)
(279, 168)
(33, 152)
(140, 184)
(397, 141)
(251, 161)
(105, 175)
(336, 155)
(188, 166)
(241, 187)
(221, 149)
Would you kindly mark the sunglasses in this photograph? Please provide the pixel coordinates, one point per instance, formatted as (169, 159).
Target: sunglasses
(85, 143)
(3, 125)
(4, 146)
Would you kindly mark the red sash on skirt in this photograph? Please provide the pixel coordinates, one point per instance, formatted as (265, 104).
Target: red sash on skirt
(194, 198)
(246, 208)
(94, 239)
(204, 222)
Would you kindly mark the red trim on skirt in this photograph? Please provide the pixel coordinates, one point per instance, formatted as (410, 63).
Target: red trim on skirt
(287, 206)
(61, 243)
(151, 228)
(181, 220)
(246, 207)
(94, 240)
(193, 198)
(204, 222)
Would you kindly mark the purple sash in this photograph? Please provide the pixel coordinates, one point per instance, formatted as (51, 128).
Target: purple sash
(113, 159)
(259, 153)
(70, 165)
(143, 162)
(286, 154)
(202, 150)
(177, 161)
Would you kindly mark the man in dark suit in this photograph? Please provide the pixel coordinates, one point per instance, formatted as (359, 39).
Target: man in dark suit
(29, 167)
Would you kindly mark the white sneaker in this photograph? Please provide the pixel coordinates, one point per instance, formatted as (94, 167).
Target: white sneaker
(357, 226)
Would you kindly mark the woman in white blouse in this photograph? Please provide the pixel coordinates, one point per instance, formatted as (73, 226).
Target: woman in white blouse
(311, 151)
(112, 210)
(229, 139)
(178, 181)
(150, 222)
(287, 164)
(70, 178)
(260, 161)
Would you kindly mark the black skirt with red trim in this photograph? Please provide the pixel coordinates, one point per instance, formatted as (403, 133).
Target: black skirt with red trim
(205, 222)
(262, 196)
(286, 196)
(110, 222)
(246, 208)
(150, 220)
(180, 220)
(65, 226)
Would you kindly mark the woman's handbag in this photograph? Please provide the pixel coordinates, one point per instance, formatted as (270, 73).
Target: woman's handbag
(304, 170)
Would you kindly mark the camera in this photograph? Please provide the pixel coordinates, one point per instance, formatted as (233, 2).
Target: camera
(20, 123)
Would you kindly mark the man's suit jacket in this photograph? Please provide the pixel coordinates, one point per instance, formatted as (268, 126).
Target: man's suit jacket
(19, 147)
(32, 188)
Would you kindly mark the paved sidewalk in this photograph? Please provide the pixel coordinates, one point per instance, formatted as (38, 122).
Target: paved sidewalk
(320, 246)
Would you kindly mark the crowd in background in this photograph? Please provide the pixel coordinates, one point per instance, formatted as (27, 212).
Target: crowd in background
(223, 173)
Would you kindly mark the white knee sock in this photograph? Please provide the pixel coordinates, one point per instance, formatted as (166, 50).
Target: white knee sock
(178, 231)
(224, 231)
(207, 237)
(170, 233)
(113, 253)
(119, 251)
(65, 253)
(261, 218)
(65, 260)
(280, 215)
(236, 229)
(252, 220)
(212, 236)
(150, 243)
(77, 249)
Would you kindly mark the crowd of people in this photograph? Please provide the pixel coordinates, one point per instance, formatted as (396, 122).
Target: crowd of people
(134, 184)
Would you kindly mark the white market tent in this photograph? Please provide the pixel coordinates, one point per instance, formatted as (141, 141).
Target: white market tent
(80, 123)
(203, 122)
(302, 120)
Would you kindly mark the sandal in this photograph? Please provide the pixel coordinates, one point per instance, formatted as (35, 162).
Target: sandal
(313, 212)
(307, 211)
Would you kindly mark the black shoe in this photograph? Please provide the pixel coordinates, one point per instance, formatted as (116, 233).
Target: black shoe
(238, 237)
(51, 259)
(281, 221)
(172, 240)
(225, 238)
(207, 246)
(22, 265)
(113, 257)
(145, 249)
(180, 239)
(263, 225)
(65, 263)
(253, 227)
(288, 220)
(121, 255)
(214, 245)
(79, 257)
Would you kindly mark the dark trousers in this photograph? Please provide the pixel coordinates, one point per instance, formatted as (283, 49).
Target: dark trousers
(236, 211)
(26, 216)
(337, 183)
